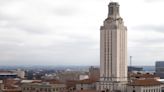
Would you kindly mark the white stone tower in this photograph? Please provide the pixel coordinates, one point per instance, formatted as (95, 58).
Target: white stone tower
(113, 52)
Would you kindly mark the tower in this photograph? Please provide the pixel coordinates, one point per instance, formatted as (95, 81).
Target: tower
(113, 52)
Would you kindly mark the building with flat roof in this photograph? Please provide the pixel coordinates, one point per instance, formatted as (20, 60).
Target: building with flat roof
(159, 69)
(7, 74)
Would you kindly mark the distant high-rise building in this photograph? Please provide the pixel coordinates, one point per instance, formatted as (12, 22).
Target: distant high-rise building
(159, 69)
(113, 52)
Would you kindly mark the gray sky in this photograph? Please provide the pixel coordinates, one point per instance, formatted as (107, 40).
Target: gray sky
(66, 32)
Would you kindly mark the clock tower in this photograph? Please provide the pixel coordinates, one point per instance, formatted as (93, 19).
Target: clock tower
(113, 52)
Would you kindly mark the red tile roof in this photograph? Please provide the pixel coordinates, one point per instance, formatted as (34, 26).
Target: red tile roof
(87, 81)
(145, 82)
(53, 81)
(143, 75)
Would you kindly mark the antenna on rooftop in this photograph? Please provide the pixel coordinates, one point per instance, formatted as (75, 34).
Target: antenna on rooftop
(130, 80)
(130, 61)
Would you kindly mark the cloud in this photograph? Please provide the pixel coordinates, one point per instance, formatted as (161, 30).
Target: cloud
(150, 1)
(67, 31)
(65, 11)
(63, 52)
(155, 28)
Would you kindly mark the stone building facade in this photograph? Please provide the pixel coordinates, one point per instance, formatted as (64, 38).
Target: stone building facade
(113, 52)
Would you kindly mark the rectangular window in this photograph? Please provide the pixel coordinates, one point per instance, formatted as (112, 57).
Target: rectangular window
(110, 10)
(41, 89)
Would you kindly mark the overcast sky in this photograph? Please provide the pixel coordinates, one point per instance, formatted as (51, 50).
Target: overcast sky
(66, 32)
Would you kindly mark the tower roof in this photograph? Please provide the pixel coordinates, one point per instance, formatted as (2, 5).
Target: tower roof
(114, 3)
(113, 10)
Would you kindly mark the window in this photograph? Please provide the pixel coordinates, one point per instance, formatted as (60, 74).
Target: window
(110, 10)
(117, 9)
(32, 88)
(45, 89)
(49, 90)
(134, 91)
(41, 89)
(81, 88)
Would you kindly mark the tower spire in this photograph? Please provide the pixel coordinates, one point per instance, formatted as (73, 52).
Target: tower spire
(113, 9)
